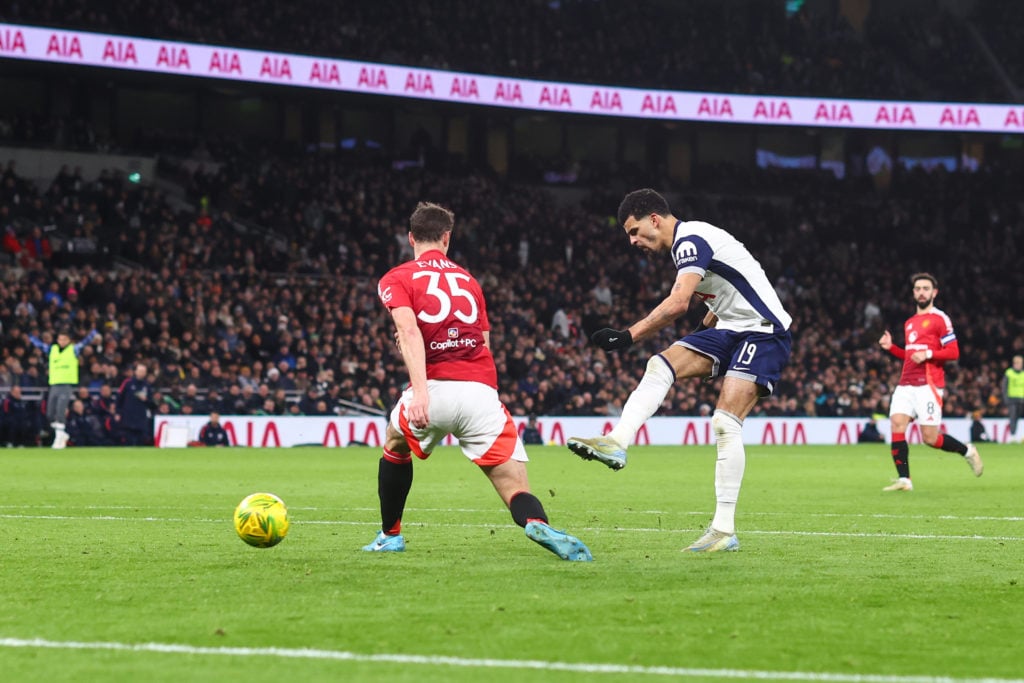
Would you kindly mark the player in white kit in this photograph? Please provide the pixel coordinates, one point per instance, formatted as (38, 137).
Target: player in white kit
(744, 338)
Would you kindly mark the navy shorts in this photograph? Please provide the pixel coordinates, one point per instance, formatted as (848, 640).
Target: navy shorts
(754, 356)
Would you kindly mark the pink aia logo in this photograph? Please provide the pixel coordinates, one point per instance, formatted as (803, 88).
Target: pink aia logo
(833, 112)
(464, 87)
(420, 83)
(173, 57)
(895, 114)
(555, 97)
(959, 116)
(1013, 120)
(508, 92)
(12, 41)
(770, 109)
(374, 79)
(63, 46)
(324, 72)
(276, 68)
(715, 108)
(120, 52)
(606, 100)
(658, 104)
(225, 62)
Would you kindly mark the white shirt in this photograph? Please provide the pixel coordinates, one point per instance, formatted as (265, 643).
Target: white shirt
(734, 286)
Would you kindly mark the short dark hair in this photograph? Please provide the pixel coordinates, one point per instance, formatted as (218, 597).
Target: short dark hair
(640, 203)
(429, 222)
(924, 276)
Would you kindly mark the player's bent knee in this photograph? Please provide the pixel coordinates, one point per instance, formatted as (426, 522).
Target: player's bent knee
(725, 425)
(395, 441)
(658, 366)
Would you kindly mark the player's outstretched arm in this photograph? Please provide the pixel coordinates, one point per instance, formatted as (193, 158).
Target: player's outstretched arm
(672, 306)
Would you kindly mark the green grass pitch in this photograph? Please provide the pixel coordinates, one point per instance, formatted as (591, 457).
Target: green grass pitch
(122, 565)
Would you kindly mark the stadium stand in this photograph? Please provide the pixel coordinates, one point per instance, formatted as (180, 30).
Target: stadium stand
(252, 288)
(205, 308)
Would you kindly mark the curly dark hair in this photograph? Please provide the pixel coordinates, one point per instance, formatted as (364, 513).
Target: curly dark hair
(639, 203)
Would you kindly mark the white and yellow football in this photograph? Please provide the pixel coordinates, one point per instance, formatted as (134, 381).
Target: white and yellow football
(261, 520)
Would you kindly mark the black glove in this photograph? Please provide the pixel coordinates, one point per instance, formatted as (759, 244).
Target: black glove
(612, 340)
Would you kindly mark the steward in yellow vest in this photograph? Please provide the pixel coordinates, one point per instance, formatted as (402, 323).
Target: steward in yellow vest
(62, 378)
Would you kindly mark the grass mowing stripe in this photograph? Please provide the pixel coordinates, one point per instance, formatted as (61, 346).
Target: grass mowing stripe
(619, 529)
(481, 511)
(472, 663)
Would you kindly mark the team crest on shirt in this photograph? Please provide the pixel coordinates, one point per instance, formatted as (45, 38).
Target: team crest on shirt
(453, 333)
(926, 323)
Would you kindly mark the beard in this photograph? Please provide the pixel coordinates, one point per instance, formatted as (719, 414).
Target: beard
(923, 305)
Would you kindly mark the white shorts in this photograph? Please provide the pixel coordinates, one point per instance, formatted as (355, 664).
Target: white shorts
(922, 403)
(469, 411)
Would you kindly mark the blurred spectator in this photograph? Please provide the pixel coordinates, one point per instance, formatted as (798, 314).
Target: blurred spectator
(870, 433)
(83, 429)
(11, 243)
(35, 249)
(213, 433)
(978, 432)
(20, 420)
(531, 434)
(134, 408)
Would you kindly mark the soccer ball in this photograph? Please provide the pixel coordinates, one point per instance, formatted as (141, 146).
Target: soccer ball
(261, 520)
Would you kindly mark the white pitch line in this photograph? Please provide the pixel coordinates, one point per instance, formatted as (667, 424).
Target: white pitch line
(471, 663)
(617, 529)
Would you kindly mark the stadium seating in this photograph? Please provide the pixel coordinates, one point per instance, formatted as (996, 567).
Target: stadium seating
(256, 282)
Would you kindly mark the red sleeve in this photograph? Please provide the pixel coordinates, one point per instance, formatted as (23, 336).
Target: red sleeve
(392, 291)
(897, 351)
(950, 351)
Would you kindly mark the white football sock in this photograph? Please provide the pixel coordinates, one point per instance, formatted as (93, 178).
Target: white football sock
(732, 459)
(644, 401)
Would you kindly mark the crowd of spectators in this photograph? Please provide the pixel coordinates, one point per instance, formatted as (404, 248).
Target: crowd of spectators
(259, 295)
(228, 323)
(917, 51)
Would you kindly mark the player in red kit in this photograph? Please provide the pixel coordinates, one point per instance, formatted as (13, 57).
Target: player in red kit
(443, 333)
(930, 343)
